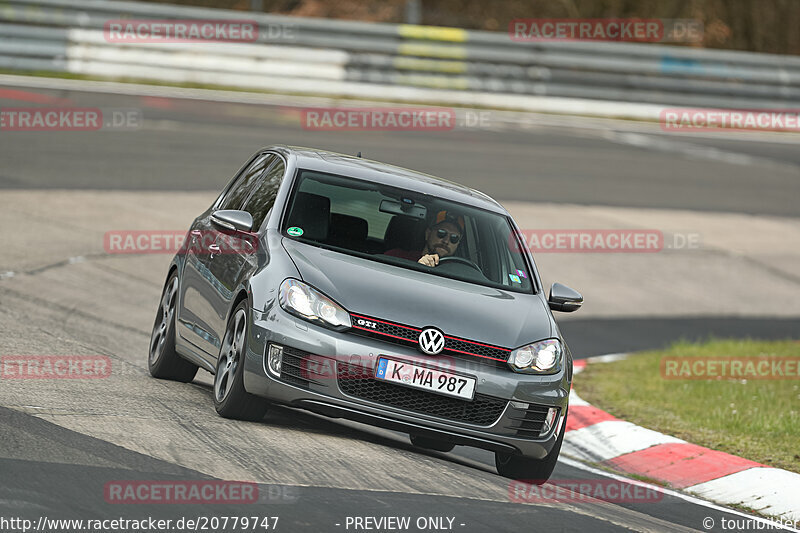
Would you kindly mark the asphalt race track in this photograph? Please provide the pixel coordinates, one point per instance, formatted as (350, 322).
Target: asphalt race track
(195, 145)
(62, 441)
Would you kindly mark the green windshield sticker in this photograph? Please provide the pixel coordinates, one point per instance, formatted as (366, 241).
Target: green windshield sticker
(294, 231)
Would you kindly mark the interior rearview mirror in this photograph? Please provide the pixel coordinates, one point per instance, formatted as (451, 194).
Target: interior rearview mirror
(563, 298)
(406, 207)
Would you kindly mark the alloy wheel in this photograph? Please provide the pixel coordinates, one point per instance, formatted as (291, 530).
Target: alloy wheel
(164, 318)
(231, 355)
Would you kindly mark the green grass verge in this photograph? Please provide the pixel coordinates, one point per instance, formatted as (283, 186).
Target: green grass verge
(755, 419)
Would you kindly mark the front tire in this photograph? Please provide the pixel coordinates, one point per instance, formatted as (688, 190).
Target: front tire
(534, 471)
(163, 361)
(230, 398)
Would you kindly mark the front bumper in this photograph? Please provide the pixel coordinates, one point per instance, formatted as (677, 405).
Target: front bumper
(329, 372)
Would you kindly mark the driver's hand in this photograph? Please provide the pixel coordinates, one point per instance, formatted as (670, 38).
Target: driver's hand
(430, 260)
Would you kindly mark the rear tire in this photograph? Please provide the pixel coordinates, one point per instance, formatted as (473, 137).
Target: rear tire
(534, 471)
(432, 444)
(230, 398)
(163, 361)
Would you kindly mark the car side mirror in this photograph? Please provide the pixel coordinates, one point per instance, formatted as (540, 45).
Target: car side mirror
(233, 219)
(563, 298)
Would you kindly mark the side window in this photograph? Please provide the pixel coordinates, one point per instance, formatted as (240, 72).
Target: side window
(266, 190)
(241, 188)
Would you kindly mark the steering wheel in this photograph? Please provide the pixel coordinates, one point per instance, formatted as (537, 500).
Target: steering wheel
(461, 260)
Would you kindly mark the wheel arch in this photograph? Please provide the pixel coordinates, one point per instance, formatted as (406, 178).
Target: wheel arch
(173, 268)
(242, 295)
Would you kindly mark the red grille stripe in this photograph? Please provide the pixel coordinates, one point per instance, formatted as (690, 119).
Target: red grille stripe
(478, 343)
(474, 354)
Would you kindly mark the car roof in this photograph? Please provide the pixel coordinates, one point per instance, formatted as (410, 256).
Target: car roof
(386, 174)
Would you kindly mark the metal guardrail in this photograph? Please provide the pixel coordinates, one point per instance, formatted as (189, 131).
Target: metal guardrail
(336, 57)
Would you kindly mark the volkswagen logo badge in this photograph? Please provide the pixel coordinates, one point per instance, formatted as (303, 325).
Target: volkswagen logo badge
(431, 341)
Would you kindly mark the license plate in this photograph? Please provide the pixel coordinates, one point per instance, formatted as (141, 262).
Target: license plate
(424, 378)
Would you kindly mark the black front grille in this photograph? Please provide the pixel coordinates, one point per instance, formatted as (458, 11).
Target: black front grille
(358, 382)
(483, 351)
(528, 423)
(408, 336)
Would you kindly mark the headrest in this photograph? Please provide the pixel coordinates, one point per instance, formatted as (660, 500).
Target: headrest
(404, 232)
(347, 230)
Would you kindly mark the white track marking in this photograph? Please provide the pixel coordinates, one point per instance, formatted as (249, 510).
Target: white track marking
(769, 490)
(686, 497)
(612, 438)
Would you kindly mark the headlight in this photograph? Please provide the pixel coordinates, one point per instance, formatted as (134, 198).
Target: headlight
(309, 304)
(543, 357)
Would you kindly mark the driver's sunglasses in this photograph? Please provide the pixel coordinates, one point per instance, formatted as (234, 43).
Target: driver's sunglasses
(454, 237)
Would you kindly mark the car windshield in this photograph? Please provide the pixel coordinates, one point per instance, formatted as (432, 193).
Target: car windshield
(399, 227)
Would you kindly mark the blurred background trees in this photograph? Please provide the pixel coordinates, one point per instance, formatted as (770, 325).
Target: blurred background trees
(756, 25)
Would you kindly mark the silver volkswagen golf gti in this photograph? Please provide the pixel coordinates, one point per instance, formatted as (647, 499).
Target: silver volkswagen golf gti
(360, 290)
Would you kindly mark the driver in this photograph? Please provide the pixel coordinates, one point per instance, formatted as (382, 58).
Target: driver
(441, 240)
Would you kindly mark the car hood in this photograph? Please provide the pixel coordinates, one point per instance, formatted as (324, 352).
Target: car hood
(387, 292)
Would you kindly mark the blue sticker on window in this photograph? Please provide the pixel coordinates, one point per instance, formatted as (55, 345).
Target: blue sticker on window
(515, 278)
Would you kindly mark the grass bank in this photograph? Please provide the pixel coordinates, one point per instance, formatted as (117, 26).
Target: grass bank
(758, 419)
